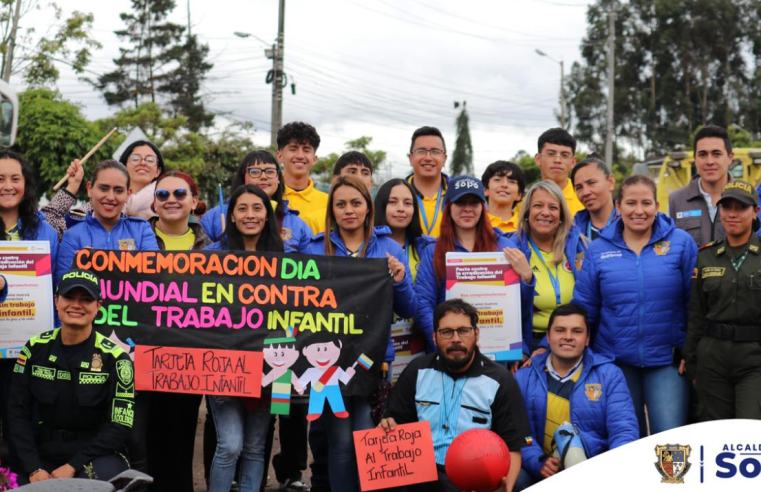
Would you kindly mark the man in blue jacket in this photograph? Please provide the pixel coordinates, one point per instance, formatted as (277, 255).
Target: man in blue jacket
(572, 384)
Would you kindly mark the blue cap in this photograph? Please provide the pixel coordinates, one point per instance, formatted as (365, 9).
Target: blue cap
(461, 186)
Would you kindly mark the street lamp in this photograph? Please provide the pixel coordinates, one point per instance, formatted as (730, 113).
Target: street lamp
(562, 84)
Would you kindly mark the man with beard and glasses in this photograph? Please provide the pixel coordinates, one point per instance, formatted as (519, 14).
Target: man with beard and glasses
(457, 389)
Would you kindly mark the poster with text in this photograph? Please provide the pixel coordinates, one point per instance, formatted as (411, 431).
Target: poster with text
(190, 319)
(488, 282)
(28, 310)
(409, 344)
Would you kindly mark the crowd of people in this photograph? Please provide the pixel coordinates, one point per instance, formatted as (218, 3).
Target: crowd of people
(627, 328)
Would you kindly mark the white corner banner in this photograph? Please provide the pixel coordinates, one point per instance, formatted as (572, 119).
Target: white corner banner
(710, 456)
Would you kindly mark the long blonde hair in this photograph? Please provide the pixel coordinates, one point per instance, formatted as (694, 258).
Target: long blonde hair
(566, 220)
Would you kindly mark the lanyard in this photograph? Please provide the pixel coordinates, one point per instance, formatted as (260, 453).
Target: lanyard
(610, 221)
(739, 263)
(428, 228)
(555, 281)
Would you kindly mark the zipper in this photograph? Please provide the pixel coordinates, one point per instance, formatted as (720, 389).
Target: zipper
(641, 284)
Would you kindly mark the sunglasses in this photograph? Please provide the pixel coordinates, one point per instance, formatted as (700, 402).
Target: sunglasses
(179, 194)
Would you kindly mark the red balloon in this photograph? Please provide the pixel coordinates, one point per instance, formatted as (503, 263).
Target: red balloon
(478, 460)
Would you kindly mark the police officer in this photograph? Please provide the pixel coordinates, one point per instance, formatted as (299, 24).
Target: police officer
(73, 393)
(722, 349)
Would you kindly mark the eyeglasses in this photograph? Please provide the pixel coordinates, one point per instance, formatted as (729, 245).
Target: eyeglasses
(179, 194)
(149, 159)
(564, 156)
(255, 172)
(464, 332)
(433, 152)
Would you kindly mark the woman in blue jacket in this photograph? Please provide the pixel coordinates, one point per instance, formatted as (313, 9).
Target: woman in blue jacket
(555, 250)
(644, 266)
(20, 221)
(261, 169)
(465, 228)
(19, 218)
(106, 227)
(349, 220)
(242, 424)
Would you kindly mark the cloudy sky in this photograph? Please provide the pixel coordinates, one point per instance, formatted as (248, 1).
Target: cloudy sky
(372, 67)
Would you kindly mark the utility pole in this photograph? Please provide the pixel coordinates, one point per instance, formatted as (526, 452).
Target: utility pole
(189, 34)
(611, 86)
(277, 79)
(562, 95)
(12, 43)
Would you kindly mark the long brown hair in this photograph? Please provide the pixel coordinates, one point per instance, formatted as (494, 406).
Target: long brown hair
(486, 240)
(330, 218)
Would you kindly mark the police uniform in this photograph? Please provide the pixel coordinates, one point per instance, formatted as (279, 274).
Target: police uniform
(72, 403)
(722, 349)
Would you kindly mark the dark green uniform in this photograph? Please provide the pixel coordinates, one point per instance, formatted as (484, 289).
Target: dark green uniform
(722, 348)
(71, 403)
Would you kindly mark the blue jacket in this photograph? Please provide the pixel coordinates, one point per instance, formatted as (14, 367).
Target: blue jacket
(575, 252)
(604, 421)
(380, 244)
(583, 221)
(295, 232)
(642, 315)
(4, 292)
(130, 233)
(431, 293)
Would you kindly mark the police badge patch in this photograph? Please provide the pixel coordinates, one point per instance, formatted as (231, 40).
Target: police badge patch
(124, 372)
(97, 363)
(672, 462)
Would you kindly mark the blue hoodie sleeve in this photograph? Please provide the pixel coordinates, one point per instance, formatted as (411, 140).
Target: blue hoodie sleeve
(530, 455)
(69, 247)
(405, 302)
(427, 291)
(586, 293)
(148, 238)
(622, 423)
(212, 223)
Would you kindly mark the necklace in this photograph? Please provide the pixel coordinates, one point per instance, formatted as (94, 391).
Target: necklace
(454, 399)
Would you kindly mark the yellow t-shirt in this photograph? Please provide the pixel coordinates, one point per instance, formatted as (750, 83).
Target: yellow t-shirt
(311, 204)
(177, 243)
(428, 211)
(545, 299)
(13, 234)
(574, 204)
(504, 225)
(558, 406)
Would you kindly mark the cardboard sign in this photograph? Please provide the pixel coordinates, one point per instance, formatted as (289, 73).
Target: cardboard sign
(291, 308)
(400, 457)
(200, 371)
(28, 310)
(489, 283)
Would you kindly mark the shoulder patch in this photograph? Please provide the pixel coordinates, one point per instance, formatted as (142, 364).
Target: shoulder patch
(44, 337)
(107, 345)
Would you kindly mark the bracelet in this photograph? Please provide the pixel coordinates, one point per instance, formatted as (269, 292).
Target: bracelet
(35, 472)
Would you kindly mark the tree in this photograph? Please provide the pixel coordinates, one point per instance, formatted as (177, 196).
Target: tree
(679, 65)
(150, 58)
(462, 157)
(324, 166)
(69, 41)
(52, 133)
(183, 84)
(527, 163)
